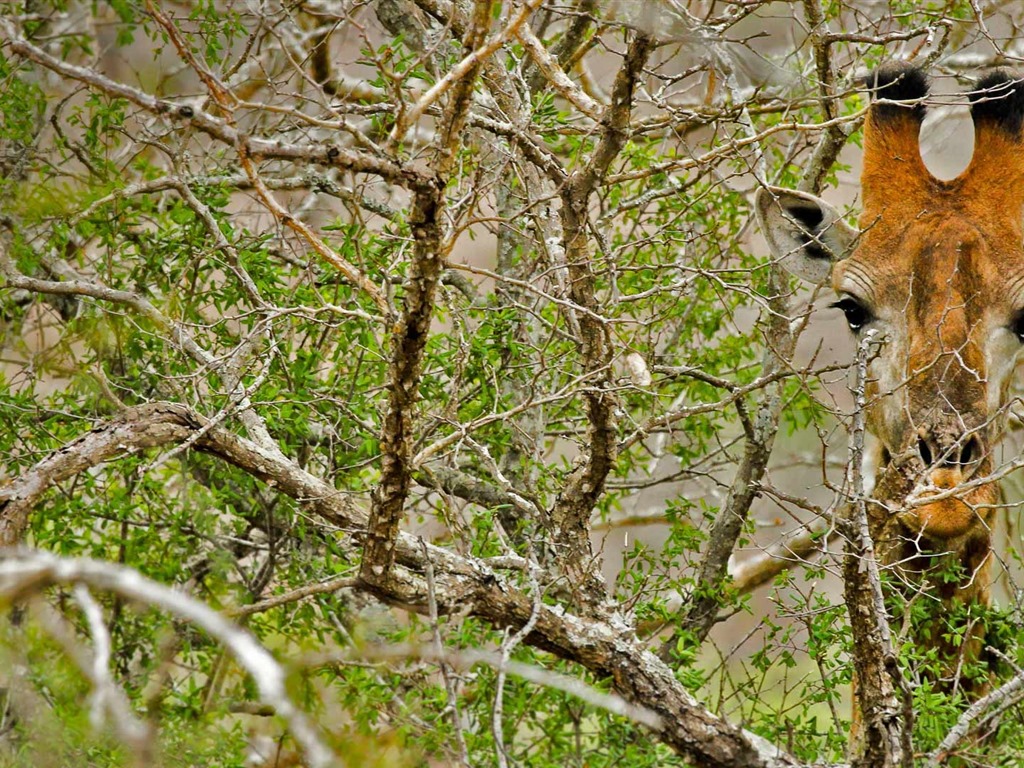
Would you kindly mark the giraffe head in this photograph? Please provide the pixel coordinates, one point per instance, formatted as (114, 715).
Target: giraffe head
(936, 270)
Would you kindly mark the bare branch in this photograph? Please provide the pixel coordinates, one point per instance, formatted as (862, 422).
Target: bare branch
(323, 588)
(989, 706)
(24, 573)
(779, 557)
(464, 69)
(834, 137)
(134, 430)
(760, 430)
(608, 649)
(884, 740)
(410, 337)
(555, 75)
(306, 232)
(323, 154)
(570, 517)
(442, 662)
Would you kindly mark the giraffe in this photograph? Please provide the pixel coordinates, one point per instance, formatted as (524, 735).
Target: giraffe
(936, 270)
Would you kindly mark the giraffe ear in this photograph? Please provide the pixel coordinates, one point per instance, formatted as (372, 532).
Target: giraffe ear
(803, 231)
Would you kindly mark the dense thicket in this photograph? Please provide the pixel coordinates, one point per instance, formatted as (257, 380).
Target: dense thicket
(430, 342)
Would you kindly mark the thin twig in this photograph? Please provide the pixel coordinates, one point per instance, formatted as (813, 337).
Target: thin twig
(459, 71)
(446, 670)
(25, 573)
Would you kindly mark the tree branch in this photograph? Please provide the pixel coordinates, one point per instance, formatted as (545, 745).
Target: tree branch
(322, 153)
(464, 70)
(606, 648)
(987, 707)
(23, 574)
(134, 430)
(780, 556)
(413, 330)
(585, 485)
(883, 740)
(833, 139)
(554, 74)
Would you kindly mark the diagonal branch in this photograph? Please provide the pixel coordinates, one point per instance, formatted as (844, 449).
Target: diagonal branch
(26, 573)
(321, 153)
(554, 74)
(985, 709)
(780, 556)
(606, 648)
(159, 425)
(465, 70)
(350, 273)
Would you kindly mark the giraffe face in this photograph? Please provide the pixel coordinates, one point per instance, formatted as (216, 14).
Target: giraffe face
(936, 274)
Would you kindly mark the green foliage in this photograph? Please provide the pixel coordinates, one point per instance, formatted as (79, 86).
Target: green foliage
(181, 281)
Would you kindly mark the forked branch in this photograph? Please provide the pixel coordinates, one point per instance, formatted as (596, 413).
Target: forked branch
(606, 648)
(26, 573)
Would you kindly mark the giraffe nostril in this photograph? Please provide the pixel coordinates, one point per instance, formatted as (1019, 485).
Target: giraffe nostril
(960, 455)
(925, 451)
(970, 451)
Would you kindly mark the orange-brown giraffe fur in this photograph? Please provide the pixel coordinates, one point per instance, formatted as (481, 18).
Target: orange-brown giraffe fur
(937, 272)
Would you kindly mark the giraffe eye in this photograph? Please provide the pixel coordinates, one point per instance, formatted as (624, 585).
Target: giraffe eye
(857, 315)
(1017, 325)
